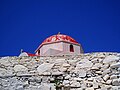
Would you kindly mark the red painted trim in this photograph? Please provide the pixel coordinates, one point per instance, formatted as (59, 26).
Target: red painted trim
(30, 54)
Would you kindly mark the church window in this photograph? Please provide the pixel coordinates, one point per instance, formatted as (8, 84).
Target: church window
(71, 48)
(38, 52)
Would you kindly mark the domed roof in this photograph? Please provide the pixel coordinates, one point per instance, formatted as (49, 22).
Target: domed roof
(57, 38)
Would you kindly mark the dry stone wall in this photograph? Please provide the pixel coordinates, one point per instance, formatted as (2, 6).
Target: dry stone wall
(91, 71)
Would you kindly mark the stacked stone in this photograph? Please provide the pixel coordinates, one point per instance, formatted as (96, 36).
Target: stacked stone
(91, 71)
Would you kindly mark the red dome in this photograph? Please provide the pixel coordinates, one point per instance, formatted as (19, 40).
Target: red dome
(57, 38)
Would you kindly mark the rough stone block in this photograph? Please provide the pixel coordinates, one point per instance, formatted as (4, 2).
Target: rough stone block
(106, 77)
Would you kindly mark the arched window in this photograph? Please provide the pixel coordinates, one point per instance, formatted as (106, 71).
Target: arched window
(71, 48)
(38, 52)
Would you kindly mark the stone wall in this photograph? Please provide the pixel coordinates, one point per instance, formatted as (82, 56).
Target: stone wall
(91, 71)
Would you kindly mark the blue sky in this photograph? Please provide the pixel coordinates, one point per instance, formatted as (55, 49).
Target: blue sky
(26, 23)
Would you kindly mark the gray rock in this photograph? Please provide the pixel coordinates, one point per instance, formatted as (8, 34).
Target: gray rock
(61, 60)
(4, 83)
(44, 67)
(115, 87)
(116, 82)
(63, 69)
(5, 61)
(75, 84)
(68, 77)
(106, 87)
(20, 87)
(83, 85)
(52, 79)
(105, 66)
(82, 73)
(106, 71)
(18, 68)
(66, 65)
(95, 68)
(70, 68)
(119, 69)
(106, 77)
(31, 87)
(72, 62)
(85, 63)
(99, 72)
(3, 71)
(6, 73)
(57, 73)
(111, 58)
(36, 79)
(46, 86)
(78, 79)
(95, 84)
(47, 73)
(113, 77)
(90, 79)
(116, 65)
(66, 82)
(108, 82)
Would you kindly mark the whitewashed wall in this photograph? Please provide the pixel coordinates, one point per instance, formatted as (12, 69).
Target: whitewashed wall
(59, 48)
(66, 48)
(56, 46)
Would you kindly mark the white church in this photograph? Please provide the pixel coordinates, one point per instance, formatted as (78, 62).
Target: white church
(55, 45)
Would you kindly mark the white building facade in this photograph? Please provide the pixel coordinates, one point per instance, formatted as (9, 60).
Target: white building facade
(59, 45)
